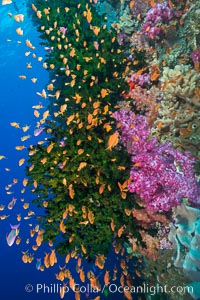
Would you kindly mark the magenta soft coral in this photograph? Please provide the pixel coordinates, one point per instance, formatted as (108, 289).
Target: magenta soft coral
(161, 175)
(141, 80)
(195, 55)
(155, 17)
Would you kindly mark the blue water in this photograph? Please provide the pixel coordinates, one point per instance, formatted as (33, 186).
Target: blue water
(16, 100)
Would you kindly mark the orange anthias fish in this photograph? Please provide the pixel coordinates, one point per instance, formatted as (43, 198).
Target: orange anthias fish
(15, 124)
(112, 225)
(4, 217)
(100, 261)
(82, 275)
(19, 18)
(47, 260)
(52, 258)
(113, 140)
(127, 294)
(88, 14)
(4, 2)
(25, 137)
(62, 227)
(155, 72)
(25, 128)
(2, 157)
(131, 4)
(107, 278)
(20, 147)
(19, 31)
(25, 257)
(77, 295)
(91, 217)
(71, 191)
(152, 3)
(71, 282)
(121, 230)
(62, 290)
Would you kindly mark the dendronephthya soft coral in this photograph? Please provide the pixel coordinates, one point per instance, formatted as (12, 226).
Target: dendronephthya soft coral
(161, 175)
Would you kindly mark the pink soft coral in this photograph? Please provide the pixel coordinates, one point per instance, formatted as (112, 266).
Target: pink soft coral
(146, 100)
(161, 175)
(152, 246)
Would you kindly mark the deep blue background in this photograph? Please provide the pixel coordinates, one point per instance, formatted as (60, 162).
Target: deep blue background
(16, 100)
(17, 97)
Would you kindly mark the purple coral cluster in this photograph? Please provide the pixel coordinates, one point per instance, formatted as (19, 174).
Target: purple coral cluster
(155, 17)
(161, 175)
(141, 80)
(195, 55)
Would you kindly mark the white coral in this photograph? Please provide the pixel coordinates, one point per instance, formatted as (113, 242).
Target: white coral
(181, 82)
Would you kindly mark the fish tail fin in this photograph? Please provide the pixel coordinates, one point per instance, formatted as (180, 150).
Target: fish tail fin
(15, 226)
